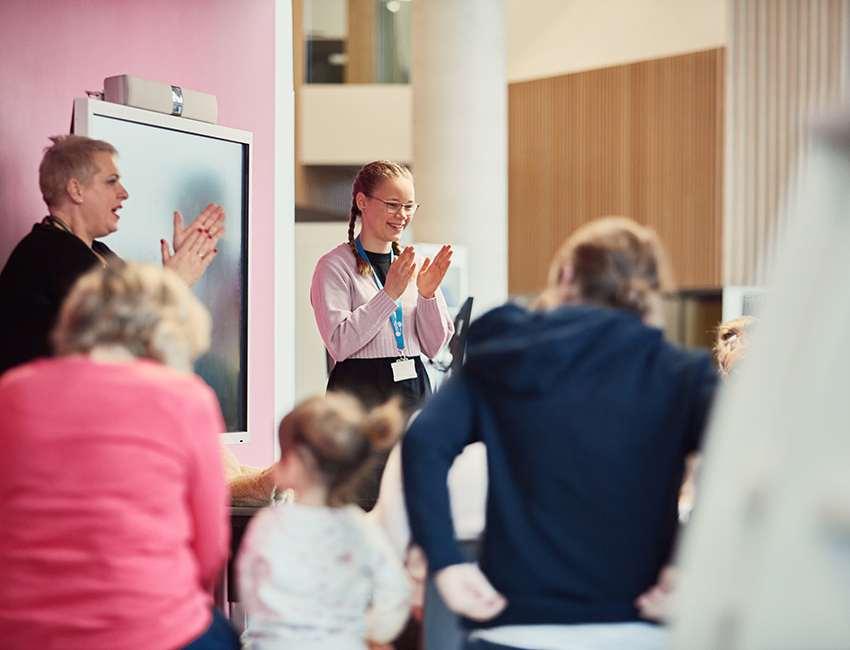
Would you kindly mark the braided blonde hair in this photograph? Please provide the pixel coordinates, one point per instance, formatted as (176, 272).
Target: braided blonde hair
(368, 178)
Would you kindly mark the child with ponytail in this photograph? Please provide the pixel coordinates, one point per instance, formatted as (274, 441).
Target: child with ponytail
(313, 573)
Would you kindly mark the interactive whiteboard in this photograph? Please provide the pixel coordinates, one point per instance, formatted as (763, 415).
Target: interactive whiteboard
(170, 163)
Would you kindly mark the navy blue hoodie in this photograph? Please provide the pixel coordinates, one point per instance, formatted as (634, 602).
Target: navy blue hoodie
(587, 415)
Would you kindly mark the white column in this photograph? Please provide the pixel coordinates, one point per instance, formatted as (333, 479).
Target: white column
(460, 136)
(284, 219)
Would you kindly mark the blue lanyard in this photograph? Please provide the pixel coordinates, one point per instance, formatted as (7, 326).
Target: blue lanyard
(396, 317)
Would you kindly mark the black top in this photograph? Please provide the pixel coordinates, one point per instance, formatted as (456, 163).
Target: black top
(587, 415)
(380, 263)
(33, 284)
(372, 379)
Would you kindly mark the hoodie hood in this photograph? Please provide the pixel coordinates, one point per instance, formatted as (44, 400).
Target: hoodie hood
(527, 352)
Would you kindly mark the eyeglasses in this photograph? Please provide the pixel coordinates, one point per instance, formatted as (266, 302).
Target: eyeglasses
(393, 208)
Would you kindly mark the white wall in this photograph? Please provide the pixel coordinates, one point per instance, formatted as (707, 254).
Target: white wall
(351, 124)
(547, 38)
(312, 241)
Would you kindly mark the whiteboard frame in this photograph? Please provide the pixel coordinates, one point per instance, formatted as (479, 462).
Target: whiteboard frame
(86, 109)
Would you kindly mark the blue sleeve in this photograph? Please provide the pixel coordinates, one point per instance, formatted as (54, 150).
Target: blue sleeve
(705, 389)
(435, 438)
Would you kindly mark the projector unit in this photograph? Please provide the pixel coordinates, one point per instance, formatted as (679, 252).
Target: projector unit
(161, 98)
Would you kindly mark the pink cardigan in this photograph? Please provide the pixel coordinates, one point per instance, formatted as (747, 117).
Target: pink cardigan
(113, 516)
(354, 316)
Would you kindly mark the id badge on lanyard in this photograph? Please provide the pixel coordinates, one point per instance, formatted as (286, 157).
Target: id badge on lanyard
(404, 368)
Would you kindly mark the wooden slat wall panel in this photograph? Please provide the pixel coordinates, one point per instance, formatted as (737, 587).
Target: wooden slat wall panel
(360, 42)
(642, 140)
(786, 63)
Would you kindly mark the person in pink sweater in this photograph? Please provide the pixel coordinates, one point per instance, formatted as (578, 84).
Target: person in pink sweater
(113, 521)
(379, 307)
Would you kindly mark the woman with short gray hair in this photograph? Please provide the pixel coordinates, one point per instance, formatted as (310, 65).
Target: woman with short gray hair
(83, 190)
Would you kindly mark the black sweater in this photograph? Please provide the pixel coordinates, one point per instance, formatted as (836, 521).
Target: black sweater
(35, 280)
(587, 415)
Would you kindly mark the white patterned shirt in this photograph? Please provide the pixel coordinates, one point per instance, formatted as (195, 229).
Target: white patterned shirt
(319, 577)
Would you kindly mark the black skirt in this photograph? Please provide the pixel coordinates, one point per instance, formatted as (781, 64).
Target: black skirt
(371, 380)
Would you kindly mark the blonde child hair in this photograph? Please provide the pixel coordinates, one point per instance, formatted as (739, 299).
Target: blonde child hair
(336, 437)
(732, 342)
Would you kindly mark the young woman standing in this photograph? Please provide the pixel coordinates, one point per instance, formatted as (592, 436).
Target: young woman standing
(379, 307)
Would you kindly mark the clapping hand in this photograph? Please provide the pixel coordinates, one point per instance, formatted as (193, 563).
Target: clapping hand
(400, 273)
(209, 221)
(432, 273)
(194, 246)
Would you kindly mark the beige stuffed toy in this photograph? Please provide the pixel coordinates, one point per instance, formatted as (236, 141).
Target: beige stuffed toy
(249, 486)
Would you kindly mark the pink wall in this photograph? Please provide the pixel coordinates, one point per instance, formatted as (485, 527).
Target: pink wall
(52, 51)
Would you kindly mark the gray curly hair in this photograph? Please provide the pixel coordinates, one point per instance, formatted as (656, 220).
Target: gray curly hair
(141, 307)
